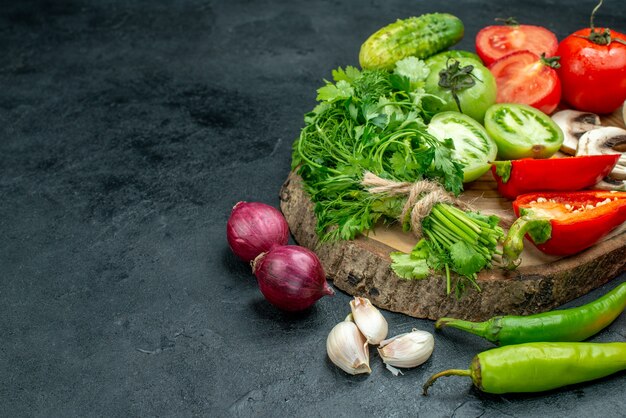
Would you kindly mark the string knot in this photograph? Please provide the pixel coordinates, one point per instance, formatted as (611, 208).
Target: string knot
(422, 196)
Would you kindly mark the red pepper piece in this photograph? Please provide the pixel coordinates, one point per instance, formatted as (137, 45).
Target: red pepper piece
(554, 174)
(563, 223)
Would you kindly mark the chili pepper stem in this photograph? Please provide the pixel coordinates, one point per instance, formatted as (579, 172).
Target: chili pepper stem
(451, 372)
(514, 242)
(477, 328)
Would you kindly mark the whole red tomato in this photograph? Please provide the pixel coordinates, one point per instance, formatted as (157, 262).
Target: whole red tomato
(593, 75)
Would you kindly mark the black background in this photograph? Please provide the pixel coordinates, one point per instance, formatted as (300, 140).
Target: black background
(128, 130)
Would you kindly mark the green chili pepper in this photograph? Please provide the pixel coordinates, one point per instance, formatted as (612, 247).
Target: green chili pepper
(535, 367)
(574, 324)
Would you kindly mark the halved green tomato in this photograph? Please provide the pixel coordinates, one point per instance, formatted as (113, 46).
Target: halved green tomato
(522, 131)
(472, 145)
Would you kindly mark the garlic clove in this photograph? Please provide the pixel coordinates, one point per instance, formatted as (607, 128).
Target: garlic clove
(347, 348)
(369, 320)
(407, 350)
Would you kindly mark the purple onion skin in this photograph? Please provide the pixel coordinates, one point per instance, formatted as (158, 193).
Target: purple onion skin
(291, 277)
(254, 228)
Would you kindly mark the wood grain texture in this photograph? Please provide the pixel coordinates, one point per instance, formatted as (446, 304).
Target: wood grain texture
(362, 267)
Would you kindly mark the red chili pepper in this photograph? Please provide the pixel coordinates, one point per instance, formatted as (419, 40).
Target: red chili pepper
(563, 223)
(554, 174)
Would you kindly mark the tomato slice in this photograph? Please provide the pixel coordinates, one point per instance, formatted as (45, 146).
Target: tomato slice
(494, 42)
(523, 77)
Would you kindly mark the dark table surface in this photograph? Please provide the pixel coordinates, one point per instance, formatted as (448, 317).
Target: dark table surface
(128, 130)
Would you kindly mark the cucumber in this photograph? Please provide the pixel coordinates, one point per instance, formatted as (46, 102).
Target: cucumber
(420, 36)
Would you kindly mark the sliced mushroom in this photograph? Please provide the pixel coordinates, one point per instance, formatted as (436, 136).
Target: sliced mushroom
(609, 183)
(574, 124)
(624, 112)
(606, 140)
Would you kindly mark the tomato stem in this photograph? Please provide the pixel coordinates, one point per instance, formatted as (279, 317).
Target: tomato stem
(597, 37)
(456, 78)
(509, 21)
(552, 62)
(593, 15)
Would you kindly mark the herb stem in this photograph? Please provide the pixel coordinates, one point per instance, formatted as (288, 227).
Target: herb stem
(448, 284)
(443, 211)
(446, 222)
(475, 224)
(442, 236)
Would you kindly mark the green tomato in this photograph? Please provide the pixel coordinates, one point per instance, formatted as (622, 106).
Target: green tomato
(472, 145)
(453, 53)
(476, 91)
(522, 132)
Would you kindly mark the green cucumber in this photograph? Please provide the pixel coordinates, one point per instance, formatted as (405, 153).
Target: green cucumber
(420, 36)
(522, 131)
(472, 145)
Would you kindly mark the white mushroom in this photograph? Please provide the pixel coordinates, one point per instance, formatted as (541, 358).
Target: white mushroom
(611, 184)
(606, 140)
(574, 124)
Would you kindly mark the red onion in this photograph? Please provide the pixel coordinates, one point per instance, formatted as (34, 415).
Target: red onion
(291, 277)
(254, 228)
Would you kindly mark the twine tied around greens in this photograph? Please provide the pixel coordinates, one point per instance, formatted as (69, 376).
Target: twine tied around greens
(421, 197)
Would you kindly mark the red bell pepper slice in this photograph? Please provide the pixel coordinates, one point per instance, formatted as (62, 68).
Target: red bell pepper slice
(554, 174)
(563, 223)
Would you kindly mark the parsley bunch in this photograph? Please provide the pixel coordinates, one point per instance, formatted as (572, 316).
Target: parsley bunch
(372, 120)
(369, 120)
(465, 242)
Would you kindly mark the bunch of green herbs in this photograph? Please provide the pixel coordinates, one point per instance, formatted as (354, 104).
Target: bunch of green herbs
(465, 242)
(375, 121)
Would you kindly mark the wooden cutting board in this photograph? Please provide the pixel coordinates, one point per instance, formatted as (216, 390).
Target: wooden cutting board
(362, 267)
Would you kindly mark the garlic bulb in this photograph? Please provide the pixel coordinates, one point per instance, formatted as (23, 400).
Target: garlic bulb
(347, 348)
(407, 350)
(369, 320)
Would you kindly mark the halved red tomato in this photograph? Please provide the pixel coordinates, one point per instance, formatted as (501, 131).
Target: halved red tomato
(526, 78)
(494, 42)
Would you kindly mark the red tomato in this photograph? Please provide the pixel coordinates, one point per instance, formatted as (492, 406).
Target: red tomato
(593, 76)
(523, 77)
(494, 42)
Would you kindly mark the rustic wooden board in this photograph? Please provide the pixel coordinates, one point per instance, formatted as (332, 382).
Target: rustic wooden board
(362, 267)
